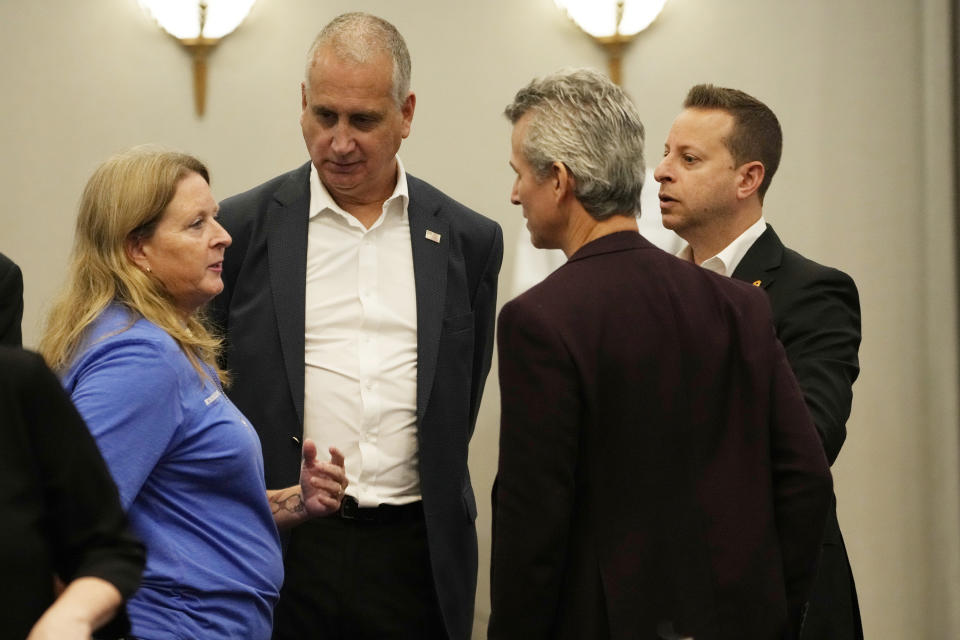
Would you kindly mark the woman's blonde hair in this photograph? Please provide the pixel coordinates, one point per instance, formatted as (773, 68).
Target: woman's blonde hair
(123, 201)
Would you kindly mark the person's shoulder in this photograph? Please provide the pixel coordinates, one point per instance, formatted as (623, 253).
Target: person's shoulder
(122, 346)
(798, 267)
(21, 366)
(9, 269)
(537, 306)
(254, 199)
(119, 334)
(424, 194)
(568, 286)
(740, 298)
(6, 263)
(607, 263)
(692, 277)
(28, 386)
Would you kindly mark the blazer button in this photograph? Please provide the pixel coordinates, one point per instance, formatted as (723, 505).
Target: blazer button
(295, 440)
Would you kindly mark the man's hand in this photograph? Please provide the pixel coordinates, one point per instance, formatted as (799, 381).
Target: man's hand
(319, 493)
(321, 483)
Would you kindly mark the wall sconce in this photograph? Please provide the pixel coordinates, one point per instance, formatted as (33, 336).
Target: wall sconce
(612, 23)
(199, 26)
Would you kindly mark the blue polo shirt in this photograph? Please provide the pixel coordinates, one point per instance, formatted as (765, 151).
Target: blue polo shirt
(190, 473)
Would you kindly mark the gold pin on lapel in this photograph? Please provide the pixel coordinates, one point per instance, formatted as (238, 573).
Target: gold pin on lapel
(433, 235)
(757, 283)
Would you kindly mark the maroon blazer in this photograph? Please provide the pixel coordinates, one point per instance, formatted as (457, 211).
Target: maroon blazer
(659, 473)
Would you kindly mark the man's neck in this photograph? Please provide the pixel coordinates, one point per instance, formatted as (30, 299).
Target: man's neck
(585, 229)
(366, 206)
(366, 213)
(709, 240)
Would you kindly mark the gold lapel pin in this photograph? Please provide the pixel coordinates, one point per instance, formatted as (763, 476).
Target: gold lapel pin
(756, 283)
(433, 235)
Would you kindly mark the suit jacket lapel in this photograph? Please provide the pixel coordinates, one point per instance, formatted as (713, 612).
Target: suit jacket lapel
(430, 274)
(287, 222)
(759, 265)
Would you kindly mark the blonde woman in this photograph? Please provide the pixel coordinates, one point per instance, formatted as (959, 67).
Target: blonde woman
(132, 350)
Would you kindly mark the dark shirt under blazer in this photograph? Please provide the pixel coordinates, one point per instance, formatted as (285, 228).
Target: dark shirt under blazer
(262, 312)
(659, 474)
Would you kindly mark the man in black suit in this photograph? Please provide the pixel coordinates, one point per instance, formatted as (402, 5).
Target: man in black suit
(11, 302)
(659, 476)
(358, 310)
(719, 159)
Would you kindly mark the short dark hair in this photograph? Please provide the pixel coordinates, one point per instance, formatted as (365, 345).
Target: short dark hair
(756, 133)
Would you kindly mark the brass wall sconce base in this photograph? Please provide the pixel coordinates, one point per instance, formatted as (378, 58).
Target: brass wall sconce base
(199, 48)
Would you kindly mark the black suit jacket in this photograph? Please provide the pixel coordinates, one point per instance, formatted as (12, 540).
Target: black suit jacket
(816, 310)
(261, 311)
(11, 302)
(659, 474)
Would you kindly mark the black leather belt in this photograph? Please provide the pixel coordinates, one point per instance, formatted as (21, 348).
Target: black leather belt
(381, 514)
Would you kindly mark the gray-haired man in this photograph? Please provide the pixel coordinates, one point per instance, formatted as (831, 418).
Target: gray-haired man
(659, 476)
(358, 309)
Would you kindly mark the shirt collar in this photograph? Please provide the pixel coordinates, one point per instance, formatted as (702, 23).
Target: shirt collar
(726, 262)
(321, 200)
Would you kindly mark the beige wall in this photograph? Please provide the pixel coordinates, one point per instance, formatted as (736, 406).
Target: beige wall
(861, 89)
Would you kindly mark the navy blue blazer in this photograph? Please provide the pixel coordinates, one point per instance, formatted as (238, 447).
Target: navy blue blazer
(261, 312)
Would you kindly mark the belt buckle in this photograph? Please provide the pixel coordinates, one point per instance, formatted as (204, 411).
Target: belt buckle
(349, 508)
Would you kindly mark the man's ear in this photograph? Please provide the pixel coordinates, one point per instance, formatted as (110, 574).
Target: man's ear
(406, 112)
(133, 247)
(749, 178)
(562, 180)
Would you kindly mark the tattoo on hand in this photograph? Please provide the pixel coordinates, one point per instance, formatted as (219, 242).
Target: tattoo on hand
(292, 504)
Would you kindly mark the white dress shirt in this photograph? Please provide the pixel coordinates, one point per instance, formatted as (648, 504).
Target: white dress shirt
(360, 391)
(725, 262)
